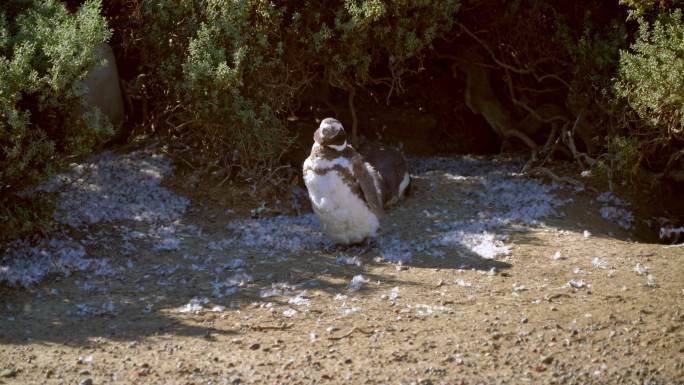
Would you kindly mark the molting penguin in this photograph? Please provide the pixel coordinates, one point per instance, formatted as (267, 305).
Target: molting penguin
(671, 234)
(350, 189)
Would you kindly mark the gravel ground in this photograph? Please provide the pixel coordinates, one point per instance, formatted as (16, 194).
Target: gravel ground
(480, 276)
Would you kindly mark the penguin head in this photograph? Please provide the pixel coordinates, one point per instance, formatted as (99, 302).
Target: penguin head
(330, 133)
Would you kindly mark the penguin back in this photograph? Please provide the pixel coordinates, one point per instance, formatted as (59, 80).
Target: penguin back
(392, 167)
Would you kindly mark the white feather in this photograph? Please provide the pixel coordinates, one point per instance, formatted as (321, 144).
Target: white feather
(335, 126)
(345, 217)
(324, 164)
(404, 183)
(308, 164)
(338, 147)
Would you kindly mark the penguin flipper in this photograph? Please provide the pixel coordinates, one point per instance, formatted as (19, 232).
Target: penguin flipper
(392, 168)
(368, 184)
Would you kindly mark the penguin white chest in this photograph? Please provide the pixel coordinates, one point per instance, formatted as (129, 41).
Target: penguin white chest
(344, 215)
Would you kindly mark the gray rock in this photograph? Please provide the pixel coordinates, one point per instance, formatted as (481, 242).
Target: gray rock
(102, 86)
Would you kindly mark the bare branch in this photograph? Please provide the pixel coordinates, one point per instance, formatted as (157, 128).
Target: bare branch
(511, 132)
(563, 179)
(352, 92)
(507, 67)
(568, 139)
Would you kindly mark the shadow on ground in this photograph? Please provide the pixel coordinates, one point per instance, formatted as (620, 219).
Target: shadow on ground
(457, 212)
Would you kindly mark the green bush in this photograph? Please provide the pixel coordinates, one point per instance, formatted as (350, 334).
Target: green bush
(619, 161)
(643, 8)
(650, 80)
(234, 81)
(232, 71)
(44, 51)
(651, 75)
(366, 35)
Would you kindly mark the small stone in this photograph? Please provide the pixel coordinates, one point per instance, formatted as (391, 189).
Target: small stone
(518, 287)
(7, 373)
(254, 346)
(547, 360)
(86, 381)
(640, 270)
(577, 284)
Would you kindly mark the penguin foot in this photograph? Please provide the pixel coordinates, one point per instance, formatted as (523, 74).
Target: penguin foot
(362, 247)
(359, 248)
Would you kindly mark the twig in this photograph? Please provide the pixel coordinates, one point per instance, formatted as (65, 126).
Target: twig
(533, 159)
(565, 179)
(511, 90)
(578, 155)
(568, 138)
(552, 76)
(260, 328)
(671, 161)
(178, 158)
(536, 91)
(556, 295)
(551, 143)
(347, 334)
(228, 175)
(355, 122)
(492, 54)
(460, 60)
(126, 92)
(614, 296)
(507, 67)
(512, 132)
(82, 177)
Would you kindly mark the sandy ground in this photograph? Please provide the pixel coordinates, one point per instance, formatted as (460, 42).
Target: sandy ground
(480, 276)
